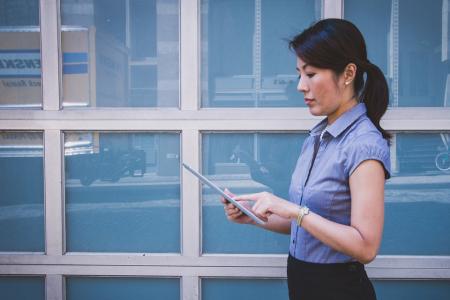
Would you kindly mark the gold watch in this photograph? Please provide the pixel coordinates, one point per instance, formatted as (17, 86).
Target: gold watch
(301, 214)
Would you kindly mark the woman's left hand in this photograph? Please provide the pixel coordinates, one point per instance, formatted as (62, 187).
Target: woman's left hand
(267, 204)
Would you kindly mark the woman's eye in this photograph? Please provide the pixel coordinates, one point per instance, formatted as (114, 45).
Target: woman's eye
(310, 75)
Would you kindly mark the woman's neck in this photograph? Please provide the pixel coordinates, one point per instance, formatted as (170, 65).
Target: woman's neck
(331, 118)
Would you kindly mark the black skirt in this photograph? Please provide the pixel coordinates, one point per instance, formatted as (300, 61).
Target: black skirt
(346, 281)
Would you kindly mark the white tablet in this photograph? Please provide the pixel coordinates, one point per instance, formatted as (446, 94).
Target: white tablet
(219, 190)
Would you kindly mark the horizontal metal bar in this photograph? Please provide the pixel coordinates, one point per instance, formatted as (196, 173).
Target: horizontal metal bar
(208, 260)
(158, 125)
(433, 125)
(290, 113)
(177, 271)
(425, 119)
(142, 271)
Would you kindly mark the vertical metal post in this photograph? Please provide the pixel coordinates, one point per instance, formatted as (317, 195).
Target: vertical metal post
(332, 9)
(50, 62)
(257, 53)
(394, 52)
(189, 64)
(54, 244)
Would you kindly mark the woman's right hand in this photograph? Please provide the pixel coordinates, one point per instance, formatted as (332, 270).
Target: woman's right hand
(233, 213)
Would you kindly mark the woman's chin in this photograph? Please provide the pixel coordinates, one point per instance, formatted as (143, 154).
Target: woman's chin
(315, 112)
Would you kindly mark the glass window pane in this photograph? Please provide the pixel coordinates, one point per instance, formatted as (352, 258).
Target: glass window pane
(97, 288)
(409, 40)
(245, 163)
(412, 290)
(22, 288)
(20, 54)
(246, 61)
(120, 53)
(21, 191)
(244, 289)
(121, 189)
(417, 199)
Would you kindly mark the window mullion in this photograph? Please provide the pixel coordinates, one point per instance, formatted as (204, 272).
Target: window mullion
(49, 12)
(332, 9)
(189, 58)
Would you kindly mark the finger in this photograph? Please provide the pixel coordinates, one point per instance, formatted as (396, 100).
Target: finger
(252, 197)
(231, 210)
(261, 210)
(223, 200)
(235, 216)
(230, 206)
(235, 213)
(227, 191)
(265, 219)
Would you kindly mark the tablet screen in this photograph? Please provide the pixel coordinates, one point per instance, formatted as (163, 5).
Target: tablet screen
(221, 192)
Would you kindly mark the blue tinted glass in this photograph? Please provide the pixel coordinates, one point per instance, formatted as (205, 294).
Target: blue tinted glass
(20, 57)
(417, 205)
(121, 189)
(244, 289)
(21, 191)
(22, 288)
(409, 40)
(90, 288)
(120, 53)
(246, 61)
(245, 163)
(412, 290)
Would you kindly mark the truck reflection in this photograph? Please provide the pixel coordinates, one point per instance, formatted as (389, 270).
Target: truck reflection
(107, 165)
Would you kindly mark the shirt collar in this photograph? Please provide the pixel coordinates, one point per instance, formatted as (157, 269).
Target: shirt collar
(342, 123)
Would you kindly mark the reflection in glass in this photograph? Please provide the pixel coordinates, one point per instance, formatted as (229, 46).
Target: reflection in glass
(246, 61)
(121, 189)
(245, 163)
(20, 54)
(410, 42)
(244, 289)
(22, 288)
(94, 288)
(412, 290)
(120, 53)
(419, 190)
(21, 192)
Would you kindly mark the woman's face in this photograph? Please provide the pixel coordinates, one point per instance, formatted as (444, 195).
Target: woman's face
(322, 90)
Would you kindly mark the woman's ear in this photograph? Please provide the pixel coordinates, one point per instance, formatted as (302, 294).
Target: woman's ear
(349, 73)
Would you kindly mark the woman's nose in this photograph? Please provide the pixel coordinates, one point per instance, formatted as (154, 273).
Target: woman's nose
(301, 87)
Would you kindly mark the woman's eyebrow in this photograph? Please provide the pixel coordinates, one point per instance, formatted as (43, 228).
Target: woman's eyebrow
(303, 67)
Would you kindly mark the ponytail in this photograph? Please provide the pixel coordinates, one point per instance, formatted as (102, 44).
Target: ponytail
(375, 95)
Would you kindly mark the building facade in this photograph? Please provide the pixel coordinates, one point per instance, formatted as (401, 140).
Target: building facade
(101, 101)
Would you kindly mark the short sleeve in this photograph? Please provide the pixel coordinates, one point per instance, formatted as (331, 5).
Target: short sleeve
(368, 149)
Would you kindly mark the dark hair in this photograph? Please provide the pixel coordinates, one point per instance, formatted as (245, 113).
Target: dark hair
(333, 44)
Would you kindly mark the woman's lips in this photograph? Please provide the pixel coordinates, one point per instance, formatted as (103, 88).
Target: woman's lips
(308, 101)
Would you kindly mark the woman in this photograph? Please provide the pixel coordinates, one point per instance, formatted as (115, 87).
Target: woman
(336, 208)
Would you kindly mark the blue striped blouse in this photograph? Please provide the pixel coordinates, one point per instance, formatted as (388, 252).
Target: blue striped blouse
(324, 185)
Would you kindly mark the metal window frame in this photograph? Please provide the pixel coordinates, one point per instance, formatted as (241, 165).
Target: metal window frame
(191, 120)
